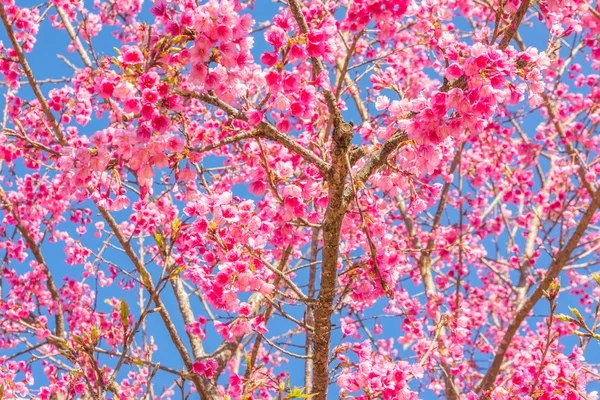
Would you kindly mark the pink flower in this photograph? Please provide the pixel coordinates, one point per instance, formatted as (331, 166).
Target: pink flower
(223, 330)
(273, 80)
(145, 173)
(255, 117)
(132, 55)
(275, 37)
(295, 206)
(454, 71)
(150, 96)
(132, 106)
(172, 28)
(349, 327)
(284, 125)
(223, 32)
(259, 324)
(106, 89)
(187, 174)
(269, 58)
(149, 80)
(378, 329)
(382, 103)
(143, 134)
(124, 91)
(160, 123)
(159, 9)
(296, 52)
(297, 109)
(245, 310)
(210, 368)
(290, 83)
(266, 289)
(200, 52)
(148, 112)
(199, 73)
(212, 81)
(175, 144)
(199, 367)
(222, 279)
(257, 188)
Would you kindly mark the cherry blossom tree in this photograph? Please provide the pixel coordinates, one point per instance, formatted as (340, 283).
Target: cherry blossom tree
(373, 199)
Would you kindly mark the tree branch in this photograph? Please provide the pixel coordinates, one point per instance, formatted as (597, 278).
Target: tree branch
(554, 120)
(376, 161)
(74, 37)
(30, 77)
(514, 25)
(309, 364)
(553, 270)
(332, 105)
(264, 129)
(204, 388)
(37, 253)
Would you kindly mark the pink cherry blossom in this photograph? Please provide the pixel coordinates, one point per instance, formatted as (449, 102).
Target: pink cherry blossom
(363, 199)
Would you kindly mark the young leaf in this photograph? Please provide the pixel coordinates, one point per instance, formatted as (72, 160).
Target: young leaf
(124, 314)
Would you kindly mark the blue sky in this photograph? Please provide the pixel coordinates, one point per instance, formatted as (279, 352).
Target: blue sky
(45, 64)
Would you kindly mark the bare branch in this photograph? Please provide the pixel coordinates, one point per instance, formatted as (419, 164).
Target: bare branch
(74, 37)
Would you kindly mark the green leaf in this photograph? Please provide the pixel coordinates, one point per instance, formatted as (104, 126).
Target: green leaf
(124, 314)
(161, 42)
(145, 278)
(95, 335)
(138, 362)
(298, 393)
(159, 243)
(176, 272)
(79, 340)
(566, 318)
(175, 236)
(577, 314)
(555, 285)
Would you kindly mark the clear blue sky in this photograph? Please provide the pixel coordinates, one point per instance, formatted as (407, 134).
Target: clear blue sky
(45, 64)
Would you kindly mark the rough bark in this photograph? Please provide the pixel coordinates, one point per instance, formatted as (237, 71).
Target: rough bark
(332, 225)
